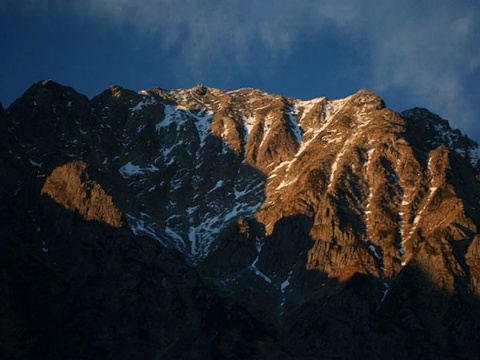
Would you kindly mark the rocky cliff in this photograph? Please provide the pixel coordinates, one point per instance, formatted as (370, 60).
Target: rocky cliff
(320, 228)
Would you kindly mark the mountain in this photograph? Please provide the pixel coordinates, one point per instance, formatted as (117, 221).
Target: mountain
(201, 223)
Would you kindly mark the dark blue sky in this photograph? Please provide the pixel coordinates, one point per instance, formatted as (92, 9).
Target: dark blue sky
(411, 53)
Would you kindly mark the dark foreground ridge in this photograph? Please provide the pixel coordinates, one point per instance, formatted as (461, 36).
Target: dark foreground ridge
(201, 223)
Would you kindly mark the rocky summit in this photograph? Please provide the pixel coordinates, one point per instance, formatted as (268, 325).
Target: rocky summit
(201, 223)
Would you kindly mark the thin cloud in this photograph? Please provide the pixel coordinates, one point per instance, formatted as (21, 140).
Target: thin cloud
(213, 36)
(429, 50)
(432, 52)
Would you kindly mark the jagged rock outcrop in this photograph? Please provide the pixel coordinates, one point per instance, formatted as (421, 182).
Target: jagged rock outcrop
(333, 222)
(69, 186)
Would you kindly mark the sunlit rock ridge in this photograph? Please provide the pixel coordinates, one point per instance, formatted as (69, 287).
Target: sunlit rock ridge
(283, 206)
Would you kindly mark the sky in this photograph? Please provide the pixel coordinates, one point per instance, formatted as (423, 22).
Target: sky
(411, 53)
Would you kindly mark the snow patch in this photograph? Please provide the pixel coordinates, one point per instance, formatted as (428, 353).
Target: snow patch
(338, 104)
(179, 241)
(297, 131)
(202, 234)
(248, 123)
(253, 266)
(178, 115)
(312, 136)
(44, 247)
(218, 185)
(147, 98)
(191, 209)
(130, 169)
(34, 163)
(267, 128)
(175, 184)
(248, 189)
(307, 106)
(447, 135)
(139, 106)
(258, 244)
(283, 287)
(374, 249)
(202, 123)
(474, 155)
(142, 228)
(286, 283)
(286, 183)
(334, 106)
(387, 289)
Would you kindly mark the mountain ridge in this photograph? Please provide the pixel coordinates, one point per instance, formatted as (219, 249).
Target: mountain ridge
(278, 203)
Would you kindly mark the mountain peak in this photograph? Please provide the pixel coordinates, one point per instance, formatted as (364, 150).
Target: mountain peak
(200, 90)
(45, 93)
(50, 86)
(368, 97)
(118, 91)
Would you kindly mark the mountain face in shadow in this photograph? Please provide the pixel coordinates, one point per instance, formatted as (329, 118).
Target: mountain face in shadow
(201, 223)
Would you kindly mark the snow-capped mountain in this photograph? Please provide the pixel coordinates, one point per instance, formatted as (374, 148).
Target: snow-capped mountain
(283, 206)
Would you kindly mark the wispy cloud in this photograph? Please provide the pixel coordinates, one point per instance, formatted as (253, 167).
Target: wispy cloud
(225, 35)
(428, 49)
(432, 52)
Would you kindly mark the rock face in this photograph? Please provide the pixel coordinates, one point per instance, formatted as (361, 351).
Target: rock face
(334, 228)
(69, 186)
